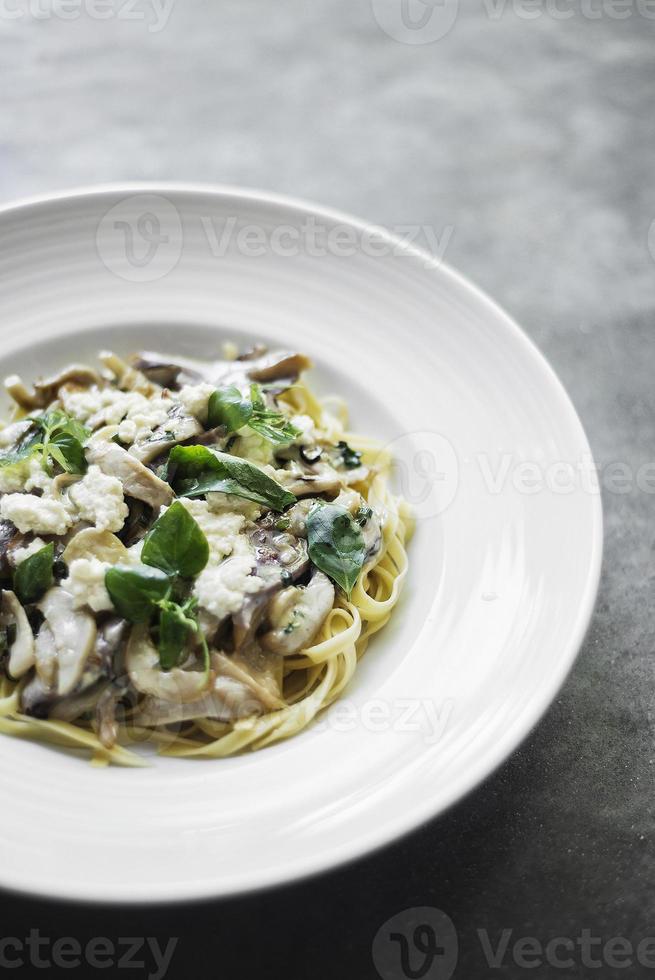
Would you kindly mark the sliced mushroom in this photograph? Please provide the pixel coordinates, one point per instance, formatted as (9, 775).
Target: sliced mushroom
(128, 377)
(137, 524)
(21, 651)
(138, 481)
(259, 366)
(279, 559)
(45, 391)
(142, 663)
(297, 614)
(74, 634)
(45, 654)
(179, 427)
(91, 543)
(228, 700)
(10, 538)
(305, 481)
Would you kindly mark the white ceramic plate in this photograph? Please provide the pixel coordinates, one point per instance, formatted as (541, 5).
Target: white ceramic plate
(504, 563)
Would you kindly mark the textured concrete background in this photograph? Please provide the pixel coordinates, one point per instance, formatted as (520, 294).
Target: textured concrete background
(527, 144)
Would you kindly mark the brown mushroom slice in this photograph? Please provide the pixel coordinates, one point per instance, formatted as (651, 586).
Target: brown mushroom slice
(128, 377)
(45, 655)
(79, 375)
(10, 538)
(178, 427)
(45, 391)
(74, 633)
(297, 614)
(228, 700)
(138, 481)
(279, 558)
(21, 651)
(91, 543)
(278, 365)
(146, 675)
(320, 478)
(262, 365)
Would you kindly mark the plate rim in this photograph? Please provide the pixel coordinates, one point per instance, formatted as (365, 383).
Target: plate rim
(503, 749)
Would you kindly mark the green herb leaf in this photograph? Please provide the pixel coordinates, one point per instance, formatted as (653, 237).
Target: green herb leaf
(33, 577)
(273, 426)
(176, 544)
(350, 457)
(135, 590)
(198, 470)
(336, 545)
(228, 407)
(68, 451)
(62, 438)
(174, 629)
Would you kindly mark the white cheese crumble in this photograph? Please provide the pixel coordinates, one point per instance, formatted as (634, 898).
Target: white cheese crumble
(108, 406)
(220, 503)
(10, 434)
(86, 584)
(195, 399)
(99, 500)
(38, 479)
(42, 515)
(21, 554)
(222, 530)
(221, 589)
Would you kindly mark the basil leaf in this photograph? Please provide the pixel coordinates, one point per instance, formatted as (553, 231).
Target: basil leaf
(228, 407)
(176, 544)
(336, 545)
(198, 470)
(174, 629)
(68, 451)
(33, 577)
(135, 590)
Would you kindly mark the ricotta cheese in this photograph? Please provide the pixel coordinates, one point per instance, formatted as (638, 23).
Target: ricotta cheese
(21, 554)
(195, 399)
(98, 499)
(223, 530)
(42, 515)
(86, 584)
(222, 589)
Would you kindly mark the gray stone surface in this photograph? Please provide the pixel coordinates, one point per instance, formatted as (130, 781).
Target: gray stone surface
(530, 142)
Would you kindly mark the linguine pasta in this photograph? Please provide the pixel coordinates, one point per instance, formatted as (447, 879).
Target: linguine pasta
(193, 556)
